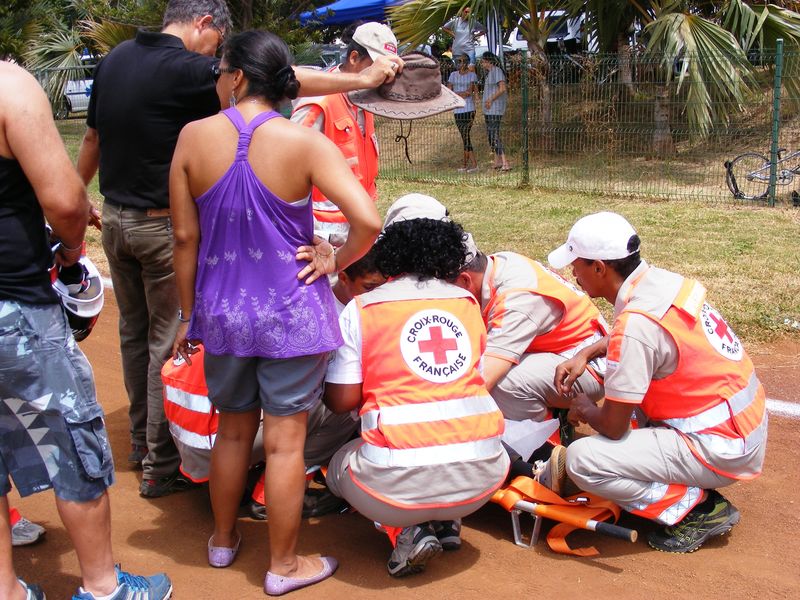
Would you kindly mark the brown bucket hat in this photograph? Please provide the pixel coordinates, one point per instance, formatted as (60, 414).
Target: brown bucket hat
(415, 93)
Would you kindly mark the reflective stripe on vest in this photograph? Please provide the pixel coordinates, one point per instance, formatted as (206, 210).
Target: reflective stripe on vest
(360, 151)
(195, 440)
(666, 503)
(428, 412)
(581, 320)
(431, 455)
(745, 410)
(192, 418)
(713, 396)
(189, 401)
(734, 446)
(425, 402)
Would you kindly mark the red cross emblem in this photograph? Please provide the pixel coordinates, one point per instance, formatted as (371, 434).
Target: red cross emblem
(721, 328)
(438, 345)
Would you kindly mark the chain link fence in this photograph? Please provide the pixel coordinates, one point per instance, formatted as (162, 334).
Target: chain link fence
(592, 123)
(609, 124)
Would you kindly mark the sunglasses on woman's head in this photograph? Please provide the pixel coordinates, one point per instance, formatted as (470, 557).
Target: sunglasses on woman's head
(217, 71)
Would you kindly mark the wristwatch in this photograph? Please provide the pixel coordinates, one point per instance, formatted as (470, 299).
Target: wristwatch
(180, 316)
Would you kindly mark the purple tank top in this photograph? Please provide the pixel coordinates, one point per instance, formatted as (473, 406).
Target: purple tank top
(248, 300)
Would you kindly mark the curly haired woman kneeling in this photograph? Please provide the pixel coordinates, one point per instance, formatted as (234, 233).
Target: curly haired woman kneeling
(430, 450)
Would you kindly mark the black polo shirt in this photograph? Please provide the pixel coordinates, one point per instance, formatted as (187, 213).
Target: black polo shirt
(145, 90)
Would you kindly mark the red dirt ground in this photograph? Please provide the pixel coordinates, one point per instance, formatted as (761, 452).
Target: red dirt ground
(760, 558)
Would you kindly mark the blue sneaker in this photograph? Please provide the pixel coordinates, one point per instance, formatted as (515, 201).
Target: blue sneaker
(33, 591)
(134, 587)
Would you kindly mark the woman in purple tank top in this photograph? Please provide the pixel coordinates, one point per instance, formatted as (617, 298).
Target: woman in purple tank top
(251, 280)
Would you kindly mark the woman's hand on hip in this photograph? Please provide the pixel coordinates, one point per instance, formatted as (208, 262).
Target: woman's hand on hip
(321, 260)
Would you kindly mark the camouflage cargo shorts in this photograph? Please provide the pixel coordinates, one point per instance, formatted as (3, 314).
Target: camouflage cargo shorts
(52, 433)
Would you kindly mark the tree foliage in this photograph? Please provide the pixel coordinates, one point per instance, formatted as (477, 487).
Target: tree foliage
(702, 47)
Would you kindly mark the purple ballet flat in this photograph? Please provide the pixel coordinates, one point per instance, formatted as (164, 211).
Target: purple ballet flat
(219, 556)
(276, 585)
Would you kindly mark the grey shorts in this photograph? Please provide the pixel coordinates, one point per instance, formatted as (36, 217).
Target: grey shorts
(280, 387)
(52, 433)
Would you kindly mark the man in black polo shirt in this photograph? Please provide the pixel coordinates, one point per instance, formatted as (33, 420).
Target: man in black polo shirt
(144, 92)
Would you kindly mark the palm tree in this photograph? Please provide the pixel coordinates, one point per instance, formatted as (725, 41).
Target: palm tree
(702, 47)
(56, 52)
(699, 49)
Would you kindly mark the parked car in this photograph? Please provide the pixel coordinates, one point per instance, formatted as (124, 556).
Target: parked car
(565, 37)
(76, 98)
(321, 56)
(77, 89)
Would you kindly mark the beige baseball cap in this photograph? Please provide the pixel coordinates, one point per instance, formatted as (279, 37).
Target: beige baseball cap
(472, 249)
(377, 39)
(415, 206)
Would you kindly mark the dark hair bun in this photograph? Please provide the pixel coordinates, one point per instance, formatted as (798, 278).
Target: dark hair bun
(266, 62)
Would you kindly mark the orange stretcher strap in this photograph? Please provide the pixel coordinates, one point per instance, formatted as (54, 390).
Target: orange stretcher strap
(570, 513)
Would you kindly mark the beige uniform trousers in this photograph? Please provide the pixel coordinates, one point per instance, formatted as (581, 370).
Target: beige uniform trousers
(342, 485)
(632, 471)
(527, 390)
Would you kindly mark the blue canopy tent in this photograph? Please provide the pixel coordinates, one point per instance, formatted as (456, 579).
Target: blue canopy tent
(349, 11)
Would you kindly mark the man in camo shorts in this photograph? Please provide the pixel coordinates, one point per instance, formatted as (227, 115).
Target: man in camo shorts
(52, 433)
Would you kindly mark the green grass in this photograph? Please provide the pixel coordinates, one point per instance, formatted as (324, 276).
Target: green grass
(746, 256)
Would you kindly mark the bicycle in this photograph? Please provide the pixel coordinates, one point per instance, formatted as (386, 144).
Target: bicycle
(747, 175)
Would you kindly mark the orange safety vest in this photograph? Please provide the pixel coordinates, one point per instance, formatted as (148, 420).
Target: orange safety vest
(581, 323)
(425, 402)
(360, 152)
(713, 396)
(193, 420)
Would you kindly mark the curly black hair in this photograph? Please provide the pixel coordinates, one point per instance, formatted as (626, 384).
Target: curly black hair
(363, 266)
(427, 248)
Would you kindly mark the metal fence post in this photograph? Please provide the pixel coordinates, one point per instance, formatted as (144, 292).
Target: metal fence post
(776, 118)
(524, 85)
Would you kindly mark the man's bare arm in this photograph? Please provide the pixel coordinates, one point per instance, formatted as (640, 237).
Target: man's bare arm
(29, 135)
(320, 83)
(89, 155)
(612, 419)
(341, 398)
(88, 162)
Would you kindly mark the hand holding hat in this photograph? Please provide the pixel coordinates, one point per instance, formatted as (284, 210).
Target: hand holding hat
(383, 70)
(381, 45)
(415, 93)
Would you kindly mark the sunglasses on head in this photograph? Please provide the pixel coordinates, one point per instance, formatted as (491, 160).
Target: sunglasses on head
(217, 71)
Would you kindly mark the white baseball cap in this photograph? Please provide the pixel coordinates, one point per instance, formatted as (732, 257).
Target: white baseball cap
(377, 39)
(415, 206)
(601, 236)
